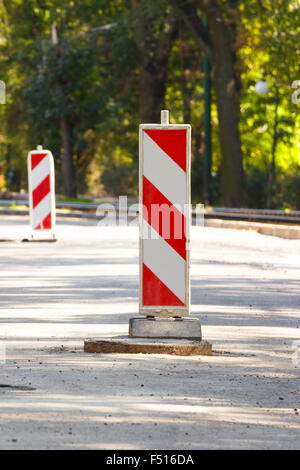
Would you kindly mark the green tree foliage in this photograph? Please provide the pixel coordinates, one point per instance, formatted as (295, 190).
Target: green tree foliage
(270, 122)
(81, 75)
(68, 60)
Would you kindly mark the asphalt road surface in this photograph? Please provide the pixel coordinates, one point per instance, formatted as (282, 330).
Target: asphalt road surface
(245, 290)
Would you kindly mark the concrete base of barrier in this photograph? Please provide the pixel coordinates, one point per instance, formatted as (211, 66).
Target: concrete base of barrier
(154, 327)
(126, 345)
(41, 240)
(27, 240)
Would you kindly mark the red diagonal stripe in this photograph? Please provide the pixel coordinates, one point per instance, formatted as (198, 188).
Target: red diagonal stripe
(171, 141)
(46, 224)
(156, 292)
(41, 191)
(36, 158)
(169, 224)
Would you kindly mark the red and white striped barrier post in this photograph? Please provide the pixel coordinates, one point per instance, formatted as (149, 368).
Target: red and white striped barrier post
(165, 155)
(41, 189)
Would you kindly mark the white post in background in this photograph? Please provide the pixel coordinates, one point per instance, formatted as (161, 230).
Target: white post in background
(41, 190)
(2, 92)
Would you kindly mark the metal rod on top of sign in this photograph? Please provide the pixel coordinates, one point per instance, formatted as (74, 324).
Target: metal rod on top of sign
(165, 188)
(164, 117)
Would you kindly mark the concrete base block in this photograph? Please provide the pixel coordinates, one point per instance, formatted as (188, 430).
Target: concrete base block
(126, 345)
(154, 327)
(39, 240)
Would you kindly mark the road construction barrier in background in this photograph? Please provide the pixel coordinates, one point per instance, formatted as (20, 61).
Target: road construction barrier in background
(165, 219)
(41, 189)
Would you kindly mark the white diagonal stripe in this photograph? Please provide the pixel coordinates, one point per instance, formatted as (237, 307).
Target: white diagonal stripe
(40, 172)
(165, 263)
(41, 210)
(163, 172)
(148, 232)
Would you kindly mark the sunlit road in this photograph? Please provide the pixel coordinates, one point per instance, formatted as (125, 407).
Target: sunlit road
(245, 290)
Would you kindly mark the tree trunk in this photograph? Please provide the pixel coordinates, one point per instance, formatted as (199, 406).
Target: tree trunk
(227, 90)
(184, 65)
(69, 180)
(220, 44)
(151, 94)
(154, 42)
(66, 130)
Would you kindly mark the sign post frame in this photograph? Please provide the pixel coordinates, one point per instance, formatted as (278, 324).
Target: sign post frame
(36, 232)
(166, 311)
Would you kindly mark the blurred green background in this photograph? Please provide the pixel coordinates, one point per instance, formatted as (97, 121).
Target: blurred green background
(81, 75)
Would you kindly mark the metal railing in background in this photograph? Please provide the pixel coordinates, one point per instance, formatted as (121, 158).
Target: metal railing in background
(87, 210)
